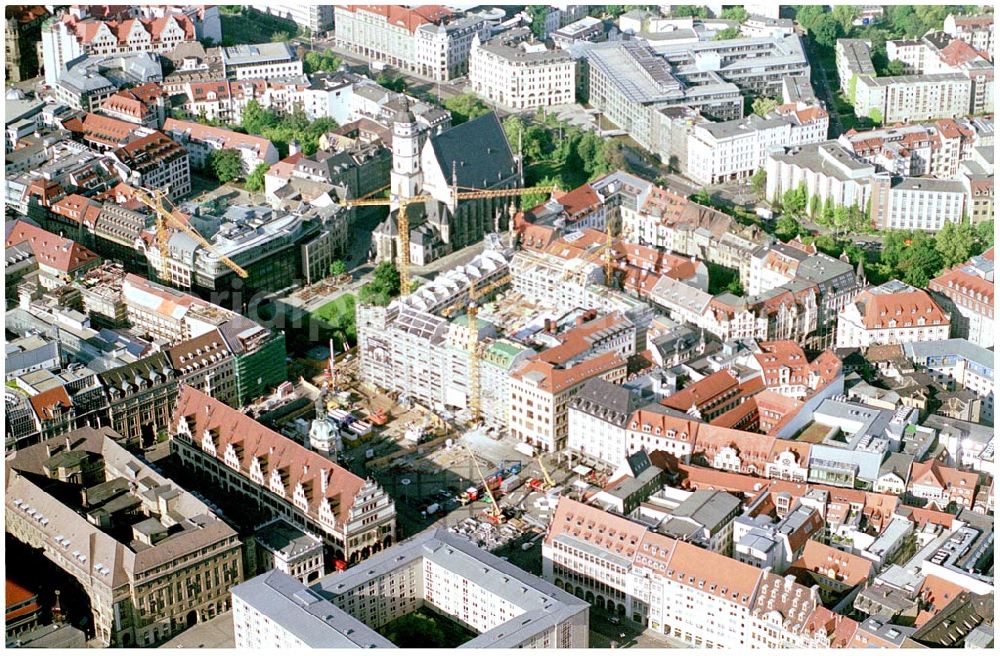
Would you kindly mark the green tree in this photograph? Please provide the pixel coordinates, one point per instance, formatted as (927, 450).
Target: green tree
(955, 242)
(787, 228)
(386, 277)
(794, 201)
(735, 12)
(316, 61)
(383, 287)
(391, 82)
(875, 115)
(815, 205)
(465, 107)
(826, 30)
(758, 182)
(735, 287)
(538, 14)
(337, 268)
(921, 261)
(895, 67)
(256, 119)
(683, 11)
(255, 181)
(984, 235)
(531, 201)
(826, 216)
(226, 164)
(415, 631)
(764, 105)
(808, 15)
(727, 34)
(845, 15)
(281, 36)
(827, 244)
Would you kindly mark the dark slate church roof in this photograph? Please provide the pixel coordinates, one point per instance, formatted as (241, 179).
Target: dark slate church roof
(480, 151)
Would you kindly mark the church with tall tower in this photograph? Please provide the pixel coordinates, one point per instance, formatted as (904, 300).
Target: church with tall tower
(472, 156)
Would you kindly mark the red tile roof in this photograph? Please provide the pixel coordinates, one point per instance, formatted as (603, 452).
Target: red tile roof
(410, 18)
(250, 440)
(703, 393)
(839, 629)
(840, 566)
(46, 403)
(938, 593)
(753, 449)
(59, 253)
(555, 380)
(905, 308)
(229, 138)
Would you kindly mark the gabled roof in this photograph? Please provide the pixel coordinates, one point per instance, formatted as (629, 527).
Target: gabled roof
(48, 402)
(703, 392)
(841, 566)
(276, 453)
(405, 17)
(59, 253)
(479, 151)
(905, 308)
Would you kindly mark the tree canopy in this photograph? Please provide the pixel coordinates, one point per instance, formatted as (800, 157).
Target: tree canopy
(226, 164)
(726, 34)
(763, 105)
(465, 107)
(255, 181)
(735, 12)
(316, 61)
(384, 286)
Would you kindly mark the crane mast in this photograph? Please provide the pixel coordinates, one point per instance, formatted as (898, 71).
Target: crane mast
(403, 221)
(154, 200)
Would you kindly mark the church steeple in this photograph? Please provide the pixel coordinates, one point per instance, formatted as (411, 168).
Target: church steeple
(406, 179)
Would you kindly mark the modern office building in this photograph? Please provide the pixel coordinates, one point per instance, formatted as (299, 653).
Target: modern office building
(916, 203)
(315, 18)
(733, 150)
(260, 61)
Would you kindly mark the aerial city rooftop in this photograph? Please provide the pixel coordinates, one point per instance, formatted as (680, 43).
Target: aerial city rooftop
(555, 326)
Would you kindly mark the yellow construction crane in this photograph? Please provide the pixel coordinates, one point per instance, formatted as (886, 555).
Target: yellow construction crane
(403, 222)
(153, 198)
(549, 483)
(495, 514)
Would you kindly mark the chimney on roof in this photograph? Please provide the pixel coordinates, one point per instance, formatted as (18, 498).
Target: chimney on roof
(305, 470)
(270, 451)
(324, 480)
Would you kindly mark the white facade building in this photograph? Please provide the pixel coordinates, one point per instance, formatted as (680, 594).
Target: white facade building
(731, 150)
(893, 313)
(827, 171)
(519, 74)
(916, 203)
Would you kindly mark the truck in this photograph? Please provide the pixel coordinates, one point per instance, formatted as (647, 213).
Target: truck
(526, 449)
(510, 484)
